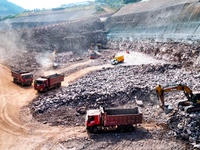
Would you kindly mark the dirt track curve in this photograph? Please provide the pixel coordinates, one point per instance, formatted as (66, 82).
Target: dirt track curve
(17, 128)
(21, 132)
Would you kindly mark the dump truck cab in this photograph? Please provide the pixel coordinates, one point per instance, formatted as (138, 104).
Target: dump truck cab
(22, 77)
(93, 117)
(40, 84)
(27, 77)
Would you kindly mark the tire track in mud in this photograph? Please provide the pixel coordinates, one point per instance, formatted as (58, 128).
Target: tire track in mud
(7, 123)
(53, 140)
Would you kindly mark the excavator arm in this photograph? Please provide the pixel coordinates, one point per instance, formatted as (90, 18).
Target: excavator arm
(160, 92)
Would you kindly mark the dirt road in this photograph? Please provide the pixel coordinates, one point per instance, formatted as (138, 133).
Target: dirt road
(17, 128)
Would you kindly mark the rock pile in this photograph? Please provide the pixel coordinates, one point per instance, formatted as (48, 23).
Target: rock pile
(186, 126)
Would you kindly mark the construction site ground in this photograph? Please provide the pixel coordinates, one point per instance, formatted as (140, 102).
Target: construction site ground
(55, 120)
(19, 130)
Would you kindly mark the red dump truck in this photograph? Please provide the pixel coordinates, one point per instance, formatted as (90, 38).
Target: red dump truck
(113, 119)
(93, 55)
(43, 84)
(22, 77)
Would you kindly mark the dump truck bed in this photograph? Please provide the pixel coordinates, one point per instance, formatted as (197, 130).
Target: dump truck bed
(55, 78)
(120, 58)
(16, 73)
(122, 116)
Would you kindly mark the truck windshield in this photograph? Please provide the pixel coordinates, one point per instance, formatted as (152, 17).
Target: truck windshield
(90, 118)
(38, 82)
(27, 76)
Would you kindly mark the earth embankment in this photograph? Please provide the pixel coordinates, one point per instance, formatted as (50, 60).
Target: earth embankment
(163, 20)
(160, 20)
(63, 31)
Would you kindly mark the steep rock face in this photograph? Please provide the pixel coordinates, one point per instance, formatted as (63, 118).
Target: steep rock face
(75, 37)
(37, 20)
(62, 30)
(72, 31)
(160, 19)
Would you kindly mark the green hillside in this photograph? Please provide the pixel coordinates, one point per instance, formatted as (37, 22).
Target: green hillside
(7, 8)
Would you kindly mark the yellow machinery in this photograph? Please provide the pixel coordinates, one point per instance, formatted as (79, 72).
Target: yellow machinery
(193, 100)
(117, 59)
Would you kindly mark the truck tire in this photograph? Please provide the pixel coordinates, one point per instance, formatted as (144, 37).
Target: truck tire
(58, 85)
(45, 89)
(130, 128)
(14, 80)
(121, 129)
(94, 130)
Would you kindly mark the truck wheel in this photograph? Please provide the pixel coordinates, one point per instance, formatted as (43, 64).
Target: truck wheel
(45, 89)
(121, 129)
(59, 85)
(95, 130)
(14, 80)
(130, 128)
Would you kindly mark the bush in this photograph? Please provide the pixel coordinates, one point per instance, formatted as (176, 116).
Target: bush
(98, 8)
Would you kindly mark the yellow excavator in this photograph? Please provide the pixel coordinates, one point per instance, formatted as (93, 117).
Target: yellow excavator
(192, 103)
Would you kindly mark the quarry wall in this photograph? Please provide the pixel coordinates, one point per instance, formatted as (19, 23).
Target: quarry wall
(160, 20)
(157, 19)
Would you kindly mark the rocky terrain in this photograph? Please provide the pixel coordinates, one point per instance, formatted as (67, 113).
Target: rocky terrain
(120, 85)
(67, 106)
(184, 53)
(123, 86)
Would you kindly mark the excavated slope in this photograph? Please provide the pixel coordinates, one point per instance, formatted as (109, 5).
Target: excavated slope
(160, 19)
(36, 20)
(75, 31)
(64, 31)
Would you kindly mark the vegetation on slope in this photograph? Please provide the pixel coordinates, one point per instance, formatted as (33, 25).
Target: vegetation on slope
(9, 9)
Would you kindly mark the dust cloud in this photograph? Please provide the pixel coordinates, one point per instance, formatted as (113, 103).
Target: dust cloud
(11, 47)
(45, 59)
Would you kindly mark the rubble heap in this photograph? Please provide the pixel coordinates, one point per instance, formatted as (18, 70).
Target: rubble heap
(187, 54)
(186, 126)
(112, 87)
